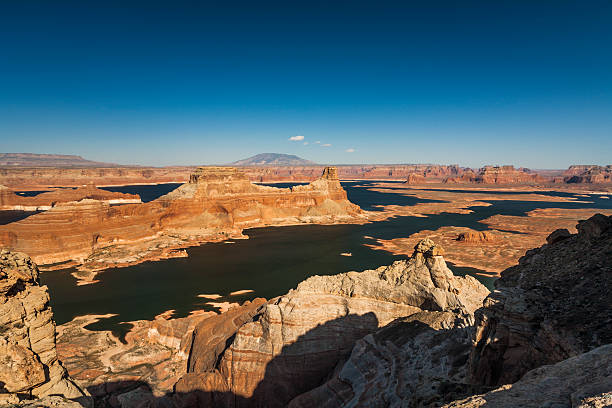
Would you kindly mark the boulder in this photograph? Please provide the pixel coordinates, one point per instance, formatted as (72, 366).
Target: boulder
(558, 235)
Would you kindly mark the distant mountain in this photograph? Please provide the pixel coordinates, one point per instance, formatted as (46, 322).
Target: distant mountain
(47, 160)
(273, 159)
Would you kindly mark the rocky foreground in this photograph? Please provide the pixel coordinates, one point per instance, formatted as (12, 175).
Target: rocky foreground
(30, 367)
(406, 335)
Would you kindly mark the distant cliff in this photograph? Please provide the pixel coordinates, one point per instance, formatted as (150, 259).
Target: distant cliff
(47, 160)
(42, 177)
(588, 174)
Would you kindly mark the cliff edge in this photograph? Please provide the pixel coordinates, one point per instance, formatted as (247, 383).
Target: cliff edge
(30, 367)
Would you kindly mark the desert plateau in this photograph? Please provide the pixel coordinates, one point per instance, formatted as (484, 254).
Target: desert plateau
(305, 204)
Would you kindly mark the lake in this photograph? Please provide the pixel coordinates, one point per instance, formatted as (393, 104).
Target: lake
(272, 261)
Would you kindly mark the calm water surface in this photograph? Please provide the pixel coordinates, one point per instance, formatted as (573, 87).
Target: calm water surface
(272, 261)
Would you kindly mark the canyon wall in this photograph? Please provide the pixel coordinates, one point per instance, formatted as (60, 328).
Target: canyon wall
(25, 178)
(553, 305)
(498, 175)
(216, 203)
(9, 200)
(33, 178)
(30, 367)
(588, 174)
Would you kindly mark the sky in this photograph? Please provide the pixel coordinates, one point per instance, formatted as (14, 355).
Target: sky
(517, 82)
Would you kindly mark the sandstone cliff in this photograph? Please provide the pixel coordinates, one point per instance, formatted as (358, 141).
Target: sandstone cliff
(583, 381)
(296, 340)
(217, 203)
(588, 174)
(414, 361)
(9, 200)
(30, 367)
(553, 305)
(41, 177)
(499, 175)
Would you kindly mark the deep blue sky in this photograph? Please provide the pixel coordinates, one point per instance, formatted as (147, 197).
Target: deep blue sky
(158, 83)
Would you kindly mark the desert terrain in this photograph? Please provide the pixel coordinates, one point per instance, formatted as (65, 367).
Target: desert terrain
(207, 357)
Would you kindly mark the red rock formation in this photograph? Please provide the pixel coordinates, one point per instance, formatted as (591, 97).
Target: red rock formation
(44, 177)
(44, 201)
(153, 353)
(217, 202)
(588, 174)
(500, 175)
(478, 237)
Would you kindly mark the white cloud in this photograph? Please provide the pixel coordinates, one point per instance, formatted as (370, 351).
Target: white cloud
(305, 143)
(326, 145)
(351, 150)
(296, 138)
(318, 142)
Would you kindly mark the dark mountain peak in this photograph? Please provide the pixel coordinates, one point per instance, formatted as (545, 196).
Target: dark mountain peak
(273, 159)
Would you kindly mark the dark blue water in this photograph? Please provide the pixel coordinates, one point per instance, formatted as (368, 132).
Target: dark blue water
(31, 193)
(146, 192)
(272, 261)
(8, 216)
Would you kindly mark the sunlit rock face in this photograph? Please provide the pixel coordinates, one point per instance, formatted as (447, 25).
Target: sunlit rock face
(27, 338)
(588, 174)
(498, 175)
(217, 203)
(9, 200)
(294, 342)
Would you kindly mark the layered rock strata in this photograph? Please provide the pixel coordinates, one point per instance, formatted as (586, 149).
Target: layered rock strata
(45, 177)
(216, 204)
(583, 381)
(417, 360)
(588, 174)
(142, 366)
(34, 178)
(478, 237)
(30, 367)
(553, 305)
(296, 340)
(499, 175)
(9, 200)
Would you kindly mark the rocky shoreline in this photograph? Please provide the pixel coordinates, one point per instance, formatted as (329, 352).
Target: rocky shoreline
(217, 204)
(408, 334)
